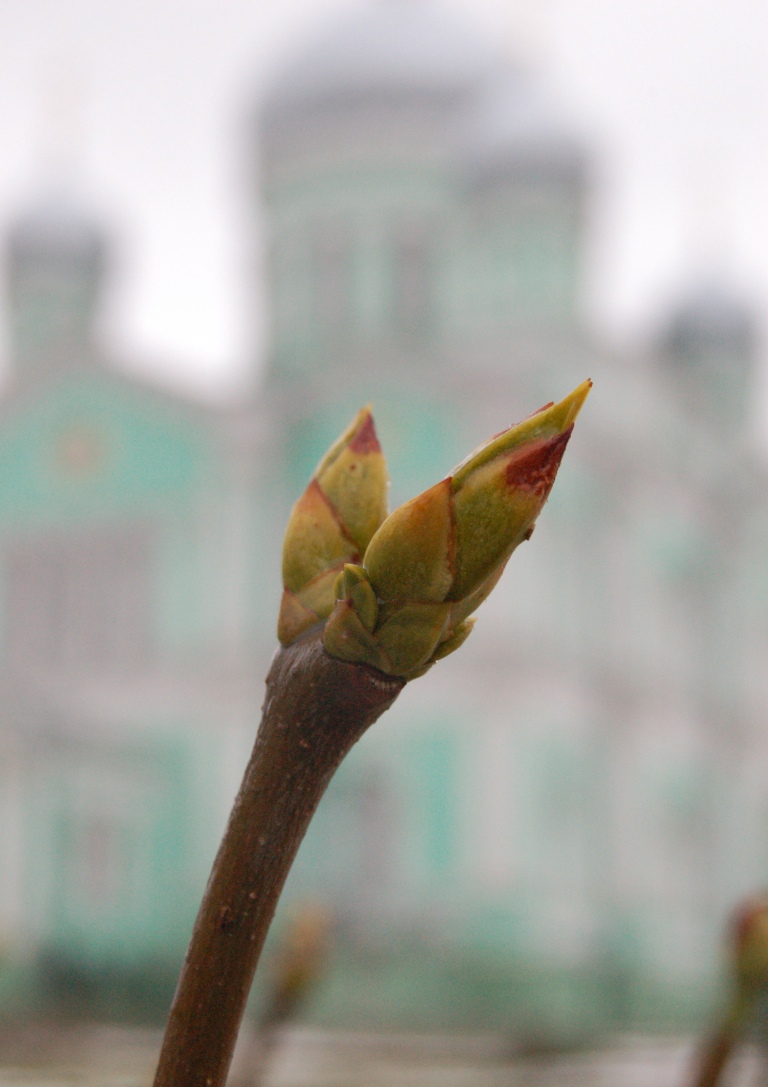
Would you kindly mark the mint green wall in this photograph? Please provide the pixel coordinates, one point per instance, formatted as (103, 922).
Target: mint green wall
(364, 206)
(94, 451)
(434, 757)
(496, 261)
(142, 907)
(91, 453)
(512, 267)
(139, 456)
(180, 576)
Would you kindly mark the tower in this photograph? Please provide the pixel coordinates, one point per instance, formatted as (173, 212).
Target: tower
(56, 259)
(710, 355)
(423, 205)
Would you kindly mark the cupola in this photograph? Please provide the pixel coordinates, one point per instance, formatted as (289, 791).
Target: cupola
(55, 261)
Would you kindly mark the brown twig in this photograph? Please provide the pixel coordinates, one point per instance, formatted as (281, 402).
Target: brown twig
(709, 1063)
(315, 709)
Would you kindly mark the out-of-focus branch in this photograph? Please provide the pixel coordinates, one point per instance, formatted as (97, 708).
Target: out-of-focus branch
(748, 952)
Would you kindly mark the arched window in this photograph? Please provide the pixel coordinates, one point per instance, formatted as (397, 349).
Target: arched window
(80, 600)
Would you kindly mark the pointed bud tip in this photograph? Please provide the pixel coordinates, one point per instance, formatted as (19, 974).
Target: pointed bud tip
(574, 401)
(365, 439)
(549, 421)
(361, 431)
(560, 415)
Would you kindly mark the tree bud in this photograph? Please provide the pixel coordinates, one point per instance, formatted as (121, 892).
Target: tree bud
(332, 524)
(397, 591)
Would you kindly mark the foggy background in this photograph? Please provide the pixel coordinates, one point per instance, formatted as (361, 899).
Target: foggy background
(145, 105)
(542, 843)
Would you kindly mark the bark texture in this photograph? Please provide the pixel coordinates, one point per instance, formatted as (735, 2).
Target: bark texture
(316, 708)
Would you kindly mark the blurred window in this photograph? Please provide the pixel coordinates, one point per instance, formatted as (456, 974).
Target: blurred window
(82, 600)
(331, 282)
(413, 282)
(98, 874)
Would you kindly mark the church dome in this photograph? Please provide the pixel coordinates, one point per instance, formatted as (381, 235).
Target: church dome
(53, 226)
(514, 125)
(56, 260)
(381, 48)
(709, 350)
(711, 316)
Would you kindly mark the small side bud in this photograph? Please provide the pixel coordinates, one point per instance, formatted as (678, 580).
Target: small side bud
(353, 585)
(457, 639)
(345, 637)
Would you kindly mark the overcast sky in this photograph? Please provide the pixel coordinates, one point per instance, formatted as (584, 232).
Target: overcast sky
(146, 100)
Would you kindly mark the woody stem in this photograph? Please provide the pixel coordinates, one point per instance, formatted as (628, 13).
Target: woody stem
(712, 1059)
(315, 709)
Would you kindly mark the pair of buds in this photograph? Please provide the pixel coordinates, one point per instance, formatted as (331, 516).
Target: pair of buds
(396, 592)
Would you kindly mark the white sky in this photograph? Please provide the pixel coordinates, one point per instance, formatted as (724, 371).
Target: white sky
(151, 96)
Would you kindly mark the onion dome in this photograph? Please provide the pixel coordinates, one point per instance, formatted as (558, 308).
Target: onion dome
(514, 128)
(711, 318)
(56, 255)
(709, 350)
(394, 49)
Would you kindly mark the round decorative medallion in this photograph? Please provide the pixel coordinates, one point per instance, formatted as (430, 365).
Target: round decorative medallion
(80, 451)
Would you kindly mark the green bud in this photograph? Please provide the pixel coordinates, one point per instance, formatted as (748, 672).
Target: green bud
(353, 476)
(547, 422)
(353, 585)
(315, 540)
(462, 608)
(345, 637)
(331, 524)
(294, 618)
(433, 561)
(411, 557)
(500, 490)
(411, 634)
(447, 542)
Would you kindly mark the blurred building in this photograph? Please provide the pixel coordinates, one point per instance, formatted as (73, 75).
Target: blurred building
(122, 673)
(576, 794)
(545, 831)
